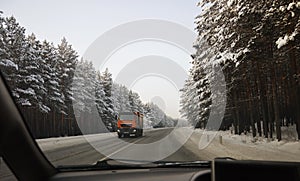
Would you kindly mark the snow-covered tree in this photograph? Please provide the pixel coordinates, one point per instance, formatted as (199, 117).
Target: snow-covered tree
(31, 89)
(156, 117)
(135, 102)
(126, 100)
(100, 95)
(89, 97)
(66, 63)
(120, 95)
(49, 84)
(53, 97)
(255, 44)
(12, 50)
(108, 114)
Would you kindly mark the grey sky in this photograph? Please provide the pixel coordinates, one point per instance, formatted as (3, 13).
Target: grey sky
(81, 22)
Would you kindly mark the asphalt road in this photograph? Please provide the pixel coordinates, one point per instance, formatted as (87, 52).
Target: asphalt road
(77, 150)
(111, 146)
(101, 147)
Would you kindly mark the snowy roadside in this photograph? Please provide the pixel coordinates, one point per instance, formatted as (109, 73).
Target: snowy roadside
(225, 144)
(60, 142)
(48, 144)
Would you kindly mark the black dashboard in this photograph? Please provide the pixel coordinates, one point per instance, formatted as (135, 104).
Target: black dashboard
(152, 174)
(220, 170)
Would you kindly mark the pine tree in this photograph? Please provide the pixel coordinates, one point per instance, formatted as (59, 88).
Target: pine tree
(108, 114)
(255, 44)
(66, 63)
(88, 96)
(53, 97)
(67, 59)
(135, 102)
(120, 95)
(12, 51)
(50, 76)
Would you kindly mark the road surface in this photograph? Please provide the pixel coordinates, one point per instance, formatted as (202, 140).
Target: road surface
(77, 150)
(86, 152)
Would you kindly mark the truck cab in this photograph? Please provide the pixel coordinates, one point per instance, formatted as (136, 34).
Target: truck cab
(130, 124)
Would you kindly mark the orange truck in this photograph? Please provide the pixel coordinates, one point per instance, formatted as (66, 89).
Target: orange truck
(130, 124)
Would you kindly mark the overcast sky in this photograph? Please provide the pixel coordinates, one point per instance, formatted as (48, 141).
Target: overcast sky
(82, 22)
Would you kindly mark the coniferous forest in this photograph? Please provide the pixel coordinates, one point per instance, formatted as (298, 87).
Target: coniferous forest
(47, 81)
(256, 44)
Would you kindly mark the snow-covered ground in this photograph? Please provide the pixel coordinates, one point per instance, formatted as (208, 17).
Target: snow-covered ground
(247, 147)
(61, 142)
(47, 144)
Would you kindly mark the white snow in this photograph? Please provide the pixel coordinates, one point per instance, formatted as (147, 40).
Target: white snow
(15, 94)
(281, 41)
(290, 6)
(8, 63)
(53, 82)
(281, 8)
(230, 2)
(247, 147)
(28, 91)
(293, 14)
(44, 108)
(27, 103)
(284, 40)
(61, 142)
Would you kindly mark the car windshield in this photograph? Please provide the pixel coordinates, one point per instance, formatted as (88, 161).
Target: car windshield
(197, 79)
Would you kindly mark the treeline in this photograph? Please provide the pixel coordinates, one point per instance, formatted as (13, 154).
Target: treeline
(97, 101)
(58, 94)
(256, 44)
(40, 76)
(125, 100)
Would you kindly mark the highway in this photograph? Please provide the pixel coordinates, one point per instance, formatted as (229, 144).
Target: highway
(168, 144)
(102, 147)
(89, 150)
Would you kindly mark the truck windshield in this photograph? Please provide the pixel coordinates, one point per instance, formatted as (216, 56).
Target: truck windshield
(126, 117)
(126, 125)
